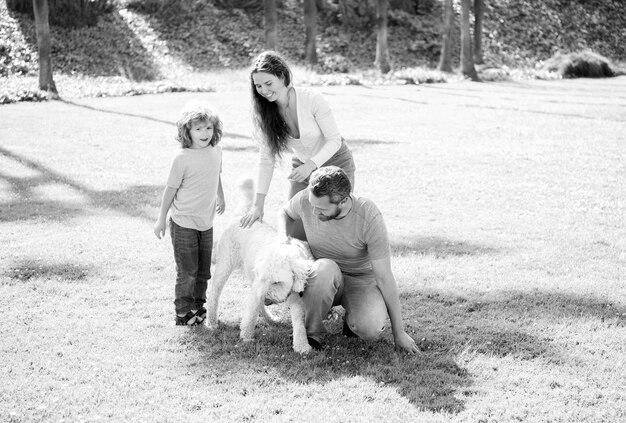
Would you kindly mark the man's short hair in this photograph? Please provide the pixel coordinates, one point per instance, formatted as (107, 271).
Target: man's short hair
(331, 181)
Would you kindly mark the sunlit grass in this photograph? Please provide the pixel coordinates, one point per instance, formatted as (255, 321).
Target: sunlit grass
(504, 204)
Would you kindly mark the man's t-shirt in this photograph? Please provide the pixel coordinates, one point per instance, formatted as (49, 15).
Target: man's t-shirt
(352, 241)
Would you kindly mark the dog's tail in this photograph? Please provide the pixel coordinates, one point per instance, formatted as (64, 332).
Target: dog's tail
(247, 190)
(269, 316)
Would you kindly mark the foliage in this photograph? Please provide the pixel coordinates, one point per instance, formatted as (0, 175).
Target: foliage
(524, 32)
(334, 63)
(67, 13)
(14, 96)
(362, 13)
(583, 64)
(153, 40)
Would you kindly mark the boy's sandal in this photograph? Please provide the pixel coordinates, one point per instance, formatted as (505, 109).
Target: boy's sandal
(188, 319)
(200, 315)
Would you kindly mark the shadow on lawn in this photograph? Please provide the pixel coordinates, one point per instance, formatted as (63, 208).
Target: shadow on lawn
(429, 381)
(438, 247)
(362, 142)
(528, 91)
(225, 135)
(26, 203)
(454, 329)
(28, 269)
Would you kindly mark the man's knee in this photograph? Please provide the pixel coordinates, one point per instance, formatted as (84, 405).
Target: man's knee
(325, 272)
(368, 327)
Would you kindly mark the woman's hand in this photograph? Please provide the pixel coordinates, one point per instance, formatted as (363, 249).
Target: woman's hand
(302, 172)
(252, 216)
(405, 342)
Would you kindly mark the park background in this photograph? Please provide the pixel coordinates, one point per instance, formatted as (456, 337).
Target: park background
(117, 47)
(504, 202)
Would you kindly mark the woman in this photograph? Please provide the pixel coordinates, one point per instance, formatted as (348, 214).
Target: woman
(291, 119)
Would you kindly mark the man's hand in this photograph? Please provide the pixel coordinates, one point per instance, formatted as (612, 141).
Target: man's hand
(405, 342)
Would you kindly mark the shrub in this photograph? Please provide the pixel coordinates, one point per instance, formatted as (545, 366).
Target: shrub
(582, 64)
(67, 13)
(334, 63)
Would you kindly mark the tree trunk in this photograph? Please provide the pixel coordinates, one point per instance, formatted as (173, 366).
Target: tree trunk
(44, 47)
(445, 61)
(467, 60)
(310, 23)
(270, 24)
(479, 11)
(382, 49)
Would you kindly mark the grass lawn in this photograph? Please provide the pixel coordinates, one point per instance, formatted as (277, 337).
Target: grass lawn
(506, 207)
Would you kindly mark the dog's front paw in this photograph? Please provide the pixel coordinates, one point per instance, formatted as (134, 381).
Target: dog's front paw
(211, 325)
(302, 349)
(246, 339)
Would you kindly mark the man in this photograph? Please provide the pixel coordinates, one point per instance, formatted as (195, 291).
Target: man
(348, 238)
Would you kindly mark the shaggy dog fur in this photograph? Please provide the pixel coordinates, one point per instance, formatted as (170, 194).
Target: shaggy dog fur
(277, 271)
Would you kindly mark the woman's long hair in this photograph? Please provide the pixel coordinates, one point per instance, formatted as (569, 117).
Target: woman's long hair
(267, 118)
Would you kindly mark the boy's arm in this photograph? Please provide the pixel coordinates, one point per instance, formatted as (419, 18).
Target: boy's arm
(221, 203)
(166, 202)
(386, 283)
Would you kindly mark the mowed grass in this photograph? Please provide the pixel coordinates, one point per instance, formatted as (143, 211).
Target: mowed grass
(505, 203)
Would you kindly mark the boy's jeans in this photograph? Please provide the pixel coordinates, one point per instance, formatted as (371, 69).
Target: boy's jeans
(192, 253)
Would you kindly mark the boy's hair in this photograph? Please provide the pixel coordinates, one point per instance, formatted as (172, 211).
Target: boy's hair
(195, 111)
(331, 181)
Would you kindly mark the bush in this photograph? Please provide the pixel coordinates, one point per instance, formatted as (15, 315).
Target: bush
(334, 63)
(583, 64)
(67, 13)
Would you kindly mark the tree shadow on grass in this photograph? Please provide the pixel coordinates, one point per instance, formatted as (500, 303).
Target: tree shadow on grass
(25, 203)
(383, 97)
(225, 135)
(453, 329)
(530, 91)
(429, 381)
(438, 247)
(432, 381)
(363, 142)
(28, 269)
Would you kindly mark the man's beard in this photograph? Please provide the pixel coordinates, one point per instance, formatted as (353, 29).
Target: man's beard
(334, 216)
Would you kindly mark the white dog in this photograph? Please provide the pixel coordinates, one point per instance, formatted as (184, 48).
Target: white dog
(277, 270)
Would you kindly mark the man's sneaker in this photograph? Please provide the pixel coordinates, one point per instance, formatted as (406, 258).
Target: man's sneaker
(188, 319)
(314, 343)
(347, 332)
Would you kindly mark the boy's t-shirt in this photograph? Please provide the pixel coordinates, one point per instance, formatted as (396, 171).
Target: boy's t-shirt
(352, 241)
(195, 174)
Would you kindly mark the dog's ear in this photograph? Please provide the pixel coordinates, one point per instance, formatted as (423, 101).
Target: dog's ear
(264, 266)
(298, 285)
(301, 269)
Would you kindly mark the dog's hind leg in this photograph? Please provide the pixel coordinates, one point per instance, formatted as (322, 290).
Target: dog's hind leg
(296, 309)
(251, 310)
